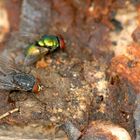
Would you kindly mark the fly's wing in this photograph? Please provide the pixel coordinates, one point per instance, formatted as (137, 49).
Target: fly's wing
(7, 71)
(6, 83)
(7, 66)
(30, 59)
(26, 37)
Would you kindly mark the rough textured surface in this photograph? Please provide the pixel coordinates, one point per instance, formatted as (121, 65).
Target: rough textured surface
(86, 82)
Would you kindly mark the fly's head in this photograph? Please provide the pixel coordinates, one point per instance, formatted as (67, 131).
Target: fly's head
(37, 86)
(62, 42)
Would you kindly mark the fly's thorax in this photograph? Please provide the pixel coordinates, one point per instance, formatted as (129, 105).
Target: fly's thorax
(25, 81)
(49, 41)
(32, 50)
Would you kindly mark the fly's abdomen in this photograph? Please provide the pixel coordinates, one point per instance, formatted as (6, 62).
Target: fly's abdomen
(32, 50)
(24, 81)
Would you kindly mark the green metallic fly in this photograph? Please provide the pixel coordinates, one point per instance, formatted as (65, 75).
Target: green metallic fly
(46, 44)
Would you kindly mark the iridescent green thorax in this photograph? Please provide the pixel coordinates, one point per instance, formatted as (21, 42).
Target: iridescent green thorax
(31, 50)
(49, 41)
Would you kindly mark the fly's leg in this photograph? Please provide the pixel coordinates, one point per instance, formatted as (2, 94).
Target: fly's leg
(43, 103)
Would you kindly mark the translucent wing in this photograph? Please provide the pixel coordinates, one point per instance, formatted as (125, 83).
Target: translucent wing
(7, 66)
(6, 83)
(32, 58)
(26, 37)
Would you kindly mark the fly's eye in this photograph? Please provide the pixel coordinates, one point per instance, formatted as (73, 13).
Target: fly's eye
(62, 42)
